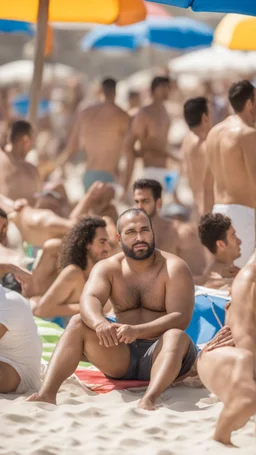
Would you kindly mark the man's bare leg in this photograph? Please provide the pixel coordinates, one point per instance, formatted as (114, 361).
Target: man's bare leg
(9, 378)
(228, 372)
(166, 364)
(76, 341)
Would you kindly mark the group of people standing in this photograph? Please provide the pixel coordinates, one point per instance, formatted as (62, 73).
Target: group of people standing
(123, 285)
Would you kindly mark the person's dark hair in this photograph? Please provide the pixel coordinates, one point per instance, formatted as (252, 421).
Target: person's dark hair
(9, 281)
(20, 128)
(135, 212)
(74, 244)
(108, 86)
(239, 93)
(133, 94)
(150, 184)
(158, 81)
(193, 110)
(213, 227)
(3, 214)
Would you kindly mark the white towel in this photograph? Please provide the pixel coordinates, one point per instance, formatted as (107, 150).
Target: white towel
(243, 220)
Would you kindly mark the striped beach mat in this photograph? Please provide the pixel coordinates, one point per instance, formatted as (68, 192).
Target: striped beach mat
(50, 334)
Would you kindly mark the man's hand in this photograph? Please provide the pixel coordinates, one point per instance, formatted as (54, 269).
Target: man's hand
(126, 333)
(107, 334)
(222, 339)
(19, 204)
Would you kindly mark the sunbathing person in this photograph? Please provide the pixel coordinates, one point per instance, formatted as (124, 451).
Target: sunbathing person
(171, 236)
(39, 225)
(229, 372)
(152, 294)
(84, 245)
(219, 236)
(20, 345)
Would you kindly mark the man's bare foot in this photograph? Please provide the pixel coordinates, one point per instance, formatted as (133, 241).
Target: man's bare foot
(43, 398)
(147, 404)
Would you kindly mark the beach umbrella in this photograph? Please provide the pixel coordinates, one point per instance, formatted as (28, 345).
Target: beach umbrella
(25, 28)
(215, 6)
(174, 33)
(214, 62)
(236, 31)
(122, 12)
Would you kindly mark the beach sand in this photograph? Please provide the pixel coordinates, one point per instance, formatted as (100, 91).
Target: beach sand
(86, 423)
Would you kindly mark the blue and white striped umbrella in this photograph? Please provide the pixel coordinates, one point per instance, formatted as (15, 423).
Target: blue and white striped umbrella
(25, 28)
(179, 33)
(215, 6)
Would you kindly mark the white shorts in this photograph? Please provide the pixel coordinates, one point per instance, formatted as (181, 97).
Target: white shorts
(243, 220)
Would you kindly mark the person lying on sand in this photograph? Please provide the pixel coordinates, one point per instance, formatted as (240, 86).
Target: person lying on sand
(229, 372)
(39, 225)
(217, 233)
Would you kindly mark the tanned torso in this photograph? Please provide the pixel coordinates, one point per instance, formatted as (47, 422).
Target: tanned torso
(227, 145)
(18, 179)
(153, 124)
(102, 131)
(194, 152)
(139, 298)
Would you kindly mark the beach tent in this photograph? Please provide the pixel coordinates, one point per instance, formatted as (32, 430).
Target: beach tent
(215, 6)
(122, 12)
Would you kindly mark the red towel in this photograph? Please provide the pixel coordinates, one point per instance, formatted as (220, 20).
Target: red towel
(97, 381)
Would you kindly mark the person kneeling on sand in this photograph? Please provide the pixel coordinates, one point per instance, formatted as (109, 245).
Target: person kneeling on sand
(20, 345)
(152, 295)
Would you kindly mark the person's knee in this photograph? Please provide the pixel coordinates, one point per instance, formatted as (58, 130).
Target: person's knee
(76, 323)
(175, 338)
(52, 245)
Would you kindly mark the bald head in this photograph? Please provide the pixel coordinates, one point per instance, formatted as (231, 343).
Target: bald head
(127, 216)
(135, 234)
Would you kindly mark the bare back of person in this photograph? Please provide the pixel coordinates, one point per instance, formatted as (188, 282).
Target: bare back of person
(227, 145)
(194, 152)
(18, 178)
(166, 236)
(154, 124)
(103, 127)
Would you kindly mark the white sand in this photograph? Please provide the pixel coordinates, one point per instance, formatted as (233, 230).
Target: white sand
(85, 423)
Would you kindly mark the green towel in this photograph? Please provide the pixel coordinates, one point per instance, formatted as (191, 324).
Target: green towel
(50, 334)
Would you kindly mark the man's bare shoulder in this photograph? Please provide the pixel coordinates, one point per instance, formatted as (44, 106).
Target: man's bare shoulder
(248, 133)
(173, 262)
(111, 264)
(71, 272)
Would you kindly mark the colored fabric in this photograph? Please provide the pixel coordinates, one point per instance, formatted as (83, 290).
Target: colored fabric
(215, 6)
(237, 32)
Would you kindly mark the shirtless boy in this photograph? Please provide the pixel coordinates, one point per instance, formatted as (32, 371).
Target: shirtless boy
(18, 178)
(100, 129)
(230, 182)
(198, 119)
(152, 295)
(150, 127)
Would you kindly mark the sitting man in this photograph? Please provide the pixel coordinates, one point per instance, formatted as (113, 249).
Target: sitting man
(229, 372)
(218, 235)
(20, 345)
(84, 245)
(152, 295)
(171, 236)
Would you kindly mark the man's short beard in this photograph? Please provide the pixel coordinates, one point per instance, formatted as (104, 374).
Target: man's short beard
(129, 252)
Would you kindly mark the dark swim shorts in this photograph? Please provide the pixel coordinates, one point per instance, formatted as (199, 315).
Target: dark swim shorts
(141, 353)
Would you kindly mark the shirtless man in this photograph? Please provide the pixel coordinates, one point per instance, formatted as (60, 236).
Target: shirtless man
(230, 182)
(19, 179)
(84, 245)
(100, 128)
(218, 235)
(152, 295)
(171, 236)
(150, 127)
(39, 225)
(229, 372)
(198, 119)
